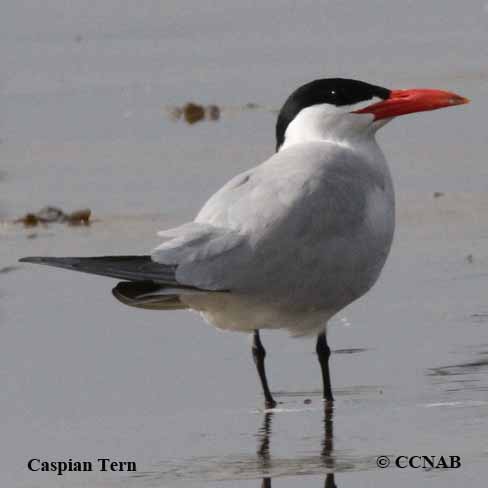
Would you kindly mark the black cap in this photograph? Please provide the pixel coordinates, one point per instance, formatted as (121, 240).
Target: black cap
(334, 91)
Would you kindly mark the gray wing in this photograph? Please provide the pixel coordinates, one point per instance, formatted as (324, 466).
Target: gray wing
(300, 215)
(194, 245)
(292, 185)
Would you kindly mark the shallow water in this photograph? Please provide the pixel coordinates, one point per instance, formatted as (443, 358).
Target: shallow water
(85, 125)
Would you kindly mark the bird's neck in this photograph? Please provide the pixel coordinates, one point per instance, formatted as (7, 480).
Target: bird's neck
(343, 129)
(351, 132)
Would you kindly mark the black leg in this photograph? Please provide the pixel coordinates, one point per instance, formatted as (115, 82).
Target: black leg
(259, 353)
(323, 352)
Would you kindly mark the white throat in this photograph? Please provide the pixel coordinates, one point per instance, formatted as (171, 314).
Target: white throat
(326, 122)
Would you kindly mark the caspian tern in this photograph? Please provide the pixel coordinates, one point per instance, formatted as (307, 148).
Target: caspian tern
(293, 240)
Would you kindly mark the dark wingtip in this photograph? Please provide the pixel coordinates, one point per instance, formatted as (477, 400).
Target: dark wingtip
(31, 259)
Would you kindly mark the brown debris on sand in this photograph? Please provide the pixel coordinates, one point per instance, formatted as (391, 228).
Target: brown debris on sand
(193, 112)
(79, 217)
(48, 215)
(213, 112)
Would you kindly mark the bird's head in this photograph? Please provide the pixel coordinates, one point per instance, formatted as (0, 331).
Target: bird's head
(342, 109)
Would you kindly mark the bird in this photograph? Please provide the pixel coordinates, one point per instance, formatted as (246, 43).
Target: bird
(291, 241)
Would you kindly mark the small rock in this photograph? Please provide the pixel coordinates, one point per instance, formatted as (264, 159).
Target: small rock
(50, 214)
(213, 112)
(80, 217)
(438, 194)
(469, 258)
(193, 113)
(29, 220)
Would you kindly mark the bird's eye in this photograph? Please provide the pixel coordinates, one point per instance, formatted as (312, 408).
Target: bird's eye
(332, 92)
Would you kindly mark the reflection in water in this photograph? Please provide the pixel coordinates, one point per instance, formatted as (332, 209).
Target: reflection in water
(321, 458)
(326, 455)
(263, 449)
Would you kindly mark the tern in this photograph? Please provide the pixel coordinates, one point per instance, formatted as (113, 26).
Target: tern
(292, 241)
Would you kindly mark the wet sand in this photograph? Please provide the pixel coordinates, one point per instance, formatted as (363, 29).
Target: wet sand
(85, 126)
